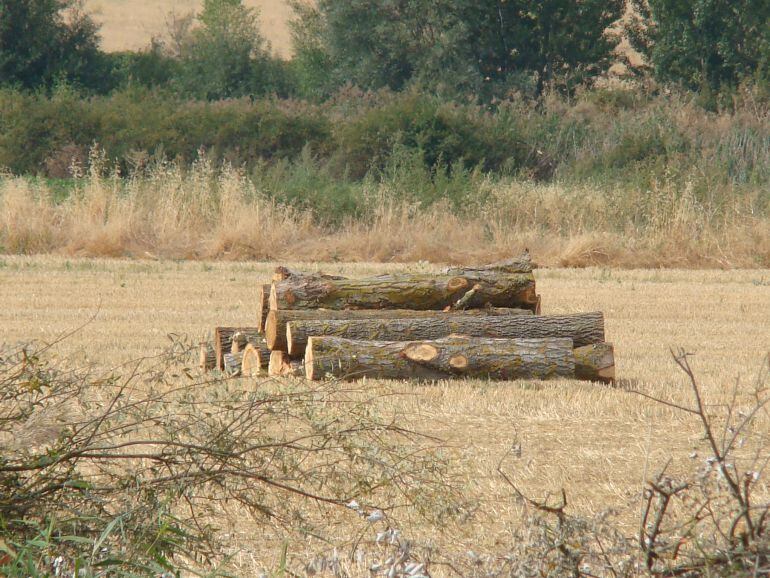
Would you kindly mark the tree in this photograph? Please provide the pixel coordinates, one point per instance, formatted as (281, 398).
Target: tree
(704, 44)
(553, 39)
(458, 45)
(47, 41)
(226, 55)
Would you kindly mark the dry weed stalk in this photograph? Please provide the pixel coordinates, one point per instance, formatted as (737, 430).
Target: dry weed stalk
(711, 523)
(722, 526)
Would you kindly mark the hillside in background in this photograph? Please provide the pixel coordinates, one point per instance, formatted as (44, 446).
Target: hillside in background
(131, 24)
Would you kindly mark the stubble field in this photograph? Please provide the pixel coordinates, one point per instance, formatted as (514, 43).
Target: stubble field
(599, 443)
(132, 24)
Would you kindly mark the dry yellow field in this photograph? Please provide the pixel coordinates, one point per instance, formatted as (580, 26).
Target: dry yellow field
(131, 24)
(597, 442)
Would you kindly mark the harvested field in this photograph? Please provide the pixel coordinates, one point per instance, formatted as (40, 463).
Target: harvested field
(131, 25)
(597, 442)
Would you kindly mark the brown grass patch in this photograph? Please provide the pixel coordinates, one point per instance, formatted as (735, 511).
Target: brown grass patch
(205, 214)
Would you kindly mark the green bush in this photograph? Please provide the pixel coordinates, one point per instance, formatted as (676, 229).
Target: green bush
(443, 133)
(35, 129)
(332, 157)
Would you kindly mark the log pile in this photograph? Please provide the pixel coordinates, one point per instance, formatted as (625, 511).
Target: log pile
(465, 322)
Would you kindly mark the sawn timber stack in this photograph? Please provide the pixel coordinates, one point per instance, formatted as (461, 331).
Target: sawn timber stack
(480, 322)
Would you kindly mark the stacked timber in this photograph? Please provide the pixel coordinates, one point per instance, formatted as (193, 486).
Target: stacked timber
(464, 322)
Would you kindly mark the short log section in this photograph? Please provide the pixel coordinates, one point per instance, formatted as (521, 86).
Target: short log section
(281, 366)
(255, 360)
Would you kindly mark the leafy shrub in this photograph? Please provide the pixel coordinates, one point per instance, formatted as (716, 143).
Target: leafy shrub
(443, 134)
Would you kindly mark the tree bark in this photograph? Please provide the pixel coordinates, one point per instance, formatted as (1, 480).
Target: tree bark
(255, 359)
(263, 306)
(445, 358)
(595, 363)
(232, 363)
(275, 327)
(408, 291)
(281, 365)
(208, 356)
(582, 328)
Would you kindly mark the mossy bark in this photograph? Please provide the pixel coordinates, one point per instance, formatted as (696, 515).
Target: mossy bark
(275, 327)
(407, 291)
(582, 328)
(447, 358)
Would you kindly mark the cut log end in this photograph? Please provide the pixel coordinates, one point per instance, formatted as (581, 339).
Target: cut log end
(309, 365)
(595, 363)
(457, 283)
(458, 362)
(271, 331)
(252, 364)
(280, 365)
(291, 345)
(421, 352)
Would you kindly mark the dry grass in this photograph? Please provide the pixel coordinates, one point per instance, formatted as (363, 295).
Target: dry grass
(206, 214)
(595, 441)
(131, 24)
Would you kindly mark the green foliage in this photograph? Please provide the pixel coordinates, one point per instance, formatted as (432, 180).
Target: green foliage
(705, 44)
(225, 56)
(337, 157)
(455, 47)
(150, 68)
(48, 42)
(135, 125)
(441, 133)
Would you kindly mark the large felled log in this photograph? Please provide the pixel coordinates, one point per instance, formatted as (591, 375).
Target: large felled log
(275, 327)
(208, 357)
(255, 360)
(406, 291)
(445, 358)
(263, 306)
(582, 328)
(281, 365)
